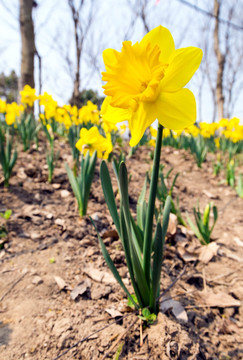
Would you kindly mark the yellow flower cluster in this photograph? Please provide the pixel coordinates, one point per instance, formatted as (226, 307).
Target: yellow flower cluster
(11, 111)
(231, 129)
(108, 118)
(228, 128)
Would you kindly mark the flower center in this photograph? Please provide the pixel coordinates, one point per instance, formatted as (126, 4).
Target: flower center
(134, 76)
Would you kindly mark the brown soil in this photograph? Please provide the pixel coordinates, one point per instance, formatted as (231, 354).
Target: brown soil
(47, 239)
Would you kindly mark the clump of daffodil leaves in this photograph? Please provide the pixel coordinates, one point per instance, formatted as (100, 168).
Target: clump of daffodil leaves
(145, 82)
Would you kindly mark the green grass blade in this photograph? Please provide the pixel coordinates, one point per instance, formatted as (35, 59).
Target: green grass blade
(193, 227)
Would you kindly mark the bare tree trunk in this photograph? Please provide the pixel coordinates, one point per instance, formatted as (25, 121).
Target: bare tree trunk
(78, 46)
(81, 29)
(220, 61)
(28, 43)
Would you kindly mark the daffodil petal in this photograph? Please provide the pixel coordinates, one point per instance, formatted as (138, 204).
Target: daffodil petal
(109, 57)
(162, 37)
(182, 65)
(113, 114)
(141, 119)
(176, 110)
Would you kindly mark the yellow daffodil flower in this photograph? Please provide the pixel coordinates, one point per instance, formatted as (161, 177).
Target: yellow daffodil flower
(123, 129)
(2, 106)
(223, 122)
(146, 81)
(13, 111)
(49, 129)
(217, 142)
(109, 126)
(177, 133)
(88, 113)
(153, 132)
(92, 140)
(166, 133)
(152, 142)
(192, 130)
(208, 129)
(46, 99)
(28, 96)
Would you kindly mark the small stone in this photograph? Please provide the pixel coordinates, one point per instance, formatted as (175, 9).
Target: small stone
(65, 193)
(37, 280)
(35, 236)
(95, 216)
(60, 222)
(56, 186)
(37, 197)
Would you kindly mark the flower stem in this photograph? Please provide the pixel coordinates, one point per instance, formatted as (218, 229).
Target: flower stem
(147, 245)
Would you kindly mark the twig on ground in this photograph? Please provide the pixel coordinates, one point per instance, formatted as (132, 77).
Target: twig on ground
(13, 285)
(173, 282)
(141, 329)
(119, 339)
(204, 281)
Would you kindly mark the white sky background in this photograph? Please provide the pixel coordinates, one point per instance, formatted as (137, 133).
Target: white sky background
(54, 30)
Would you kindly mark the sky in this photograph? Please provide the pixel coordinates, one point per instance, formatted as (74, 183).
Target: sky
(112, 19)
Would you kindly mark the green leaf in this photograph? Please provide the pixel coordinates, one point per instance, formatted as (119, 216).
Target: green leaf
(173, 183)
(138, 234)
(109, 195)
(112, 267)
(127, 249)
(75, 187)
(157, 264)
(136, 259)
(88, 178)
(130, 303)
(7, 214)
(141, 206)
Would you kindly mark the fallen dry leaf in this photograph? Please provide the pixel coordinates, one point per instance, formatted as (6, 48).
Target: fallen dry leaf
(221, 299)
(187, 249)
(80, 289)
(100, 276)
(232, 256)
(210, 195)
(177, 309)
(99, 291)
(61, 283)
(113, 312)
(207, 252)
(172, 224)
(110, 234)
(227, 326)
(238, 241)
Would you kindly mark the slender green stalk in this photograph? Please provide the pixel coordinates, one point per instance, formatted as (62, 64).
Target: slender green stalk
(147, 247)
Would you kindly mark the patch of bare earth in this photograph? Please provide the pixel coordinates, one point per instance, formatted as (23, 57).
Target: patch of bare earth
(57, 293)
